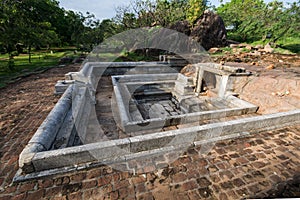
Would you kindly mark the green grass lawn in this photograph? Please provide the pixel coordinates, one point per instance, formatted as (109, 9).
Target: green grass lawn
(44, 60)
(39, 61)
(286, 45)
(290, 43)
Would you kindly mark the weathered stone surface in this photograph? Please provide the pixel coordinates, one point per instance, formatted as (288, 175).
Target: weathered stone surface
(210, 30)
(214, 50)
(268, 48)
(274, 94)
(259, 47)
(182, 27)
(117, 150)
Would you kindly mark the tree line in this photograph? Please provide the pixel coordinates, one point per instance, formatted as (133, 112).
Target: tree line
(43, 24)
(246, 20)
(252, 20)
(28, 24)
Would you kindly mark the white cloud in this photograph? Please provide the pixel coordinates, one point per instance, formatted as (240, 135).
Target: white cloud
(101, 9)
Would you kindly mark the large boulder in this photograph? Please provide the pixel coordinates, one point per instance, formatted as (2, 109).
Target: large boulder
(164, 41)
(182, 27)
(210, 30)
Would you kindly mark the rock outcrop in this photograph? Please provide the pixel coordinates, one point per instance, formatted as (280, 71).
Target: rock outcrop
(181, 38)
(210, 30)
(182, 27)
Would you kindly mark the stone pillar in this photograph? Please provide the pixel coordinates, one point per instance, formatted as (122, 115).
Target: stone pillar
(223, 85)
(199, 80)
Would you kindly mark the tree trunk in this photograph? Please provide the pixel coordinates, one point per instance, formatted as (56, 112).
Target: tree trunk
(11, 62)
(29, 53)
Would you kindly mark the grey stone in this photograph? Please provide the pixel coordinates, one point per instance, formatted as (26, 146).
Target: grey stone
(47, 132)
(210, 31)
(81, 154)
(268, 48)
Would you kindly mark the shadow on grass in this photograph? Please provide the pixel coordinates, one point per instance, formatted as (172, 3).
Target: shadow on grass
(23, 68)
(295, 48)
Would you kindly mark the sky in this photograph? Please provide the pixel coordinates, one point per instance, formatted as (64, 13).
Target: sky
(105, 9)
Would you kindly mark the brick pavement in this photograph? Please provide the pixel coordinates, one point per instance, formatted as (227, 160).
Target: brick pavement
(263, 165)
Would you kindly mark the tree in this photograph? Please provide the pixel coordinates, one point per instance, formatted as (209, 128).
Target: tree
(242, 15)
(108, 28)
(169, 12)
(149, 13)
(8, 32)
(27, 22)
(253, 20)
(280, 21)
(195, 9)
(9, 22)
(35, 28)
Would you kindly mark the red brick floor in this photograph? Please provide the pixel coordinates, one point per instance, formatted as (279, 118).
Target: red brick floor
(263, 165)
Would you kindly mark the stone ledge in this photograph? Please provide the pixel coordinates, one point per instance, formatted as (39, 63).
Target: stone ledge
(119, 150)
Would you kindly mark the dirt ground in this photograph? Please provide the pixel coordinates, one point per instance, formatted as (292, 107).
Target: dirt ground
(275, 83)
(263, 165)
(280, 61)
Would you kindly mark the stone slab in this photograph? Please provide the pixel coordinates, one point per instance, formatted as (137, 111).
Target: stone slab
(187, 136)
(46, 133)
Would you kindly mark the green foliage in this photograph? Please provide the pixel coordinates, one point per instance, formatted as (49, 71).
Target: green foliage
(36, 24)
(133, 57)
(281, 21)
(254, 20)
(195, 8)
(148, 13)
(168, 12)
(242, 15)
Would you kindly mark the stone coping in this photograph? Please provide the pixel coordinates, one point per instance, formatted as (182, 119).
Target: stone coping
(126, 149)
(123, 97)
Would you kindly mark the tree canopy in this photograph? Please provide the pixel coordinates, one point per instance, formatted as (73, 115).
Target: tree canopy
(141, 13)
(253, 20)
(42, 23)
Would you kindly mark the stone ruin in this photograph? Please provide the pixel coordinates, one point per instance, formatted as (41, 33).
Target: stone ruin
(161, 100)
(112, 112)
(209, 30)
